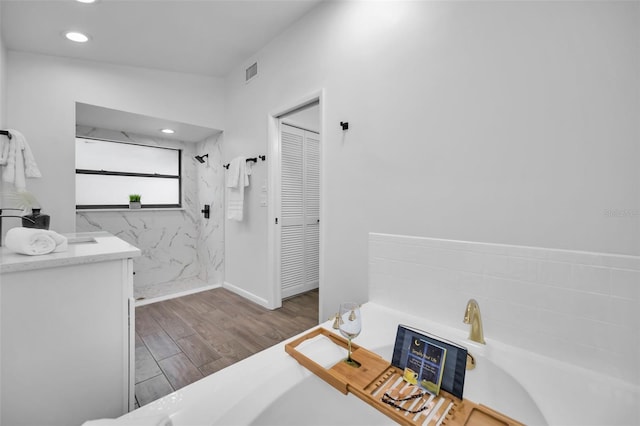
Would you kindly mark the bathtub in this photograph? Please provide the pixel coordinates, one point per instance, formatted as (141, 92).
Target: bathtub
(271, 388)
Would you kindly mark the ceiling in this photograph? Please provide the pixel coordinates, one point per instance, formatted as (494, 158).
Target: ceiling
(208, 37)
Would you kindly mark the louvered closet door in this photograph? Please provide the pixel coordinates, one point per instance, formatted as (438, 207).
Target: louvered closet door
(300, 210)
(312, 209)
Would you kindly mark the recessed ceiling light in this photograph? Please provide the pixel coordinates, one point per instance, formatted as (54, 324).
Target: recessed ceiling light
(86, 1)
(76, 36)
(168, 131)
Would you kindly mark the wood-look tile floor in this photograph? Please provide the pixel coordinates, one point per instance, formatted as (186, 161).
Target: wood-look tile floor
(182, 340)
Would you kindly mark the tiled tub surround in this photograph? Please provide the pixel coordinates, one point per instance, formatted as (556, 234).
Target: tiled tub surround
(575, 307)
(181, 251)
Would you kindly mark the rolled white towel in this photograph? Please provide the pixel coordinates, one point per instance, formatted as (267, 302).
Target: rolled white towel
(61, 241)
(34, 241)
(159, 420)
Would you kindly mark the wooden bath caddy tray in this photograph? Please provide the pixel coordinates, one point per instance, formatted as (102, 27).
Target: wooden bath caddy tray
(376, 376)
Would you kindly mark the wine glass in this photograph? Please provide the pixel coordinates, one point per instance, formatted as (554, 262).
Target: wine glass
(350, 325)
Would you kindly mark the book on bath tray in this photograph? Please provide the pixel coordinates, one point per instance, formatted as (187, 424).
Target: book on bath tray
(425, 365)
(429, 361)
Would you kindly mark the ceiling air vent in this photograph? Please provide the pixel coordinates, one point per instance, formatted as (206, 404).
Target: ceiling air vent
(251, 72)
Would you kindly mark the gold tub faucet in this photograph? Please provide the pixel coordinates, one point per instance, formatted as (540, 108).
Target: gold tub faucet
(472, 316)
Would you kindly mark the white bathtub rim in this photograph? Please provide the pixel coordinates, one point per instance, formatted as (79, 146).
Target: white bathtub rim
(290, 377)
(207, 401)
(239, 415)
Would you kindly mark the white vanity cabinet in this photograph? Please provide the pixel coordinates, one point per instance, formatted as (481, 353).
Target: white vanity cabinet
(67, 323)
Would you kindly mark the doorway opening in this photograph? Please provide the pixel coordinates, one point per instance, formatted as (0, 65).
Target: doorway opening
(295, 234)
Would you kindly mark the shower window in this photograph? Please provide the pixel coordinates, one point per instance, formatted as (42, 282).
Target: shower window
(107, 172)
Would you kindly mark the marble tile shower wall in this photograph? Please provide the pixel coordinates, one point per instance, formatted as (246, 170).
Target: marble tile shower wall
(576, 307)
(210, 188)
(176, 254)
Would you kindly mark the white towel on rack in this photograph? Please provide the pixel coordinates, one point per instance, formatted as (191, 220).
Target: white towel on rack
(17, 158)
(238, 172)
(237, 179)
(4, 150)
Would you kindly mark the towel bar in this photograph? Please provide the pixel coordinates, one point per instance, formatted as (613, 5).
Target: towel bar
(254, 159)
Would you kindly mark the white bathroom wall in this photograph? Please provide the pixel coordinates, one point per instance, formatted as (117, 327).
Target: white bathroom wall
(3, 80)
(3, 110)
(181, 252)
(3, 90)
(41, 97)
(500, 122)
(573, 306)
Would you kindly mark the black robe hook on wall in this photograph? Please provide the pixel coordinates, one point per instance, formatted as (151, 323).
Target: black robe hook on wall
(345, 125)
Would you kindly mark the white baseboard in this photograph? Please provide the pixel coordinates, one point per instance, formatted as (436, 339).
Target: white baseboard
(247, 295)
(143, 302)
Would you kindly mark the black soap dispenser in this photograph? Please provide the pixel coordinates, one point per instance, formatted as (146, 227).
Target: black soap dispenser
(36, 220)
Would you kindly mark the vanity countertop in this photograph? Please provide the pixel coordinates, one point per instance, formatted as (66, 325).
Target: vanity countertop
(83, 247)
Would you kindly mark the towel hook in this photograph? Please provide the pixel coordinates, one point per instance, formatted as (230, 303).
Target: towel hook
(345, 125)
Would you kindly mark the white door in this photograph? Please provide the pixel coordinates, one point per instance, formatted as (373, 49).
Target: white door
(299, 210)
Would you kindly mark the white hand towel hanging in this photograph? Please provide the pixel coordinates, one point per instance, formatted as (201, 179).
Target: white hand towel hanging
(18, 161)
(237, 179)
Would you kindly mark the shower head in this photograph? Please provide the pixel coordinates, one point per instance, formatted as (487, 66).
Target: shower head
(201, 158)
